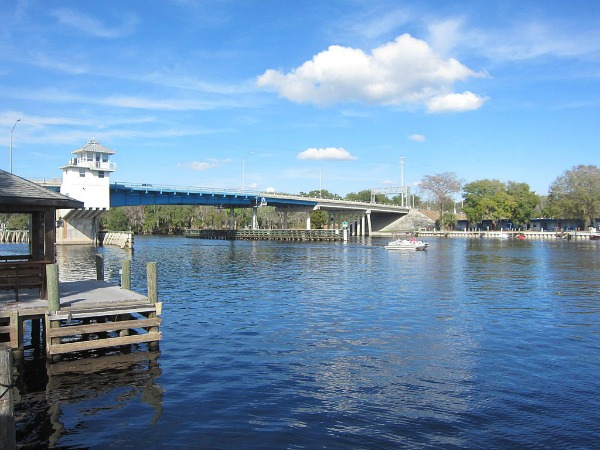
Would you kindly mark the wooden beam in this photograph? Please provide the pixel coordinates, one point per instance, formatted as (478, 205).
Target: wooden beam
(69, 347)
(84, 314)
(103, 327)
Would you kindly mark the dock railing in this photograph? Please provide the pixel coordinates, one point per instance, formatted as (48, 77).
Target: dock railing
(267, 234)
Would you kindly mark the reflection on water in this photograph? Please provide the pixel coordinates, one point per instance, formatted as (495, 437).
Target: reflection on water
(472, 344)
(96, 390)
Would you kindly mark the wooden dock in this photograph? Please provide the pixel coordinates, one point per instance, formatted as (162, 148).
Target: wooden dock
(267, 234)
(81, 316)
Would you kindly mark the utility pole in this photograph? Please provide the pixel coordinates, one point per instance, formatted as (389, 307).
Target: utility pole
(402, 178)
(11, 133)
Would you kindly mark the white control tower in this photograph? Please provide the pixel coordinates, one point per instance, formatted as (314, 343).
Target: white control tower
(86, 177)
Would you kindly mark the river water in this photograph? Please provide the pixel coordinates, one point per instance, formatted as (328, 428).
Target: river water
(471, 344)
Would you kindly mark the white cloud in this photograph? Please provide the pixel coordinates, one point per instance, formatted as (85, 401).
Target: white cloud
(521, 40)
(467, 101)
(417, 137)
(329, 153)
(201, 166)
(403, 72)
(445, 34)
(93, 27)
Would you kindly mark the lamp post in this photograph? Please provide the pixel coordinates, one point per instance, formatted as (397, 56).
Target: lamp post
(402, 178)
(321, 182)
(11, 133)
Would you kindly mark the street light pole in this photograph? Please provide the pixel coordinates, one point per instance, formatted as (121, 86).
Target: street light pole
(321, 182)
(11, 133)
(402, 178)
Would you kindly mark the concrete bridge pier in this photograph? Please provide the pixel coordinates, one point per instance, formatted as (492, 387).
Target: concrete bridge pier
(231, 218)
(255, 217)
(78, 226)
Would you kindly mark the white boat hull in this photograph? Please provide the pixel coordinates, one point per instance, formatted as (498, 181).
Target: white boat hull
(403, 244)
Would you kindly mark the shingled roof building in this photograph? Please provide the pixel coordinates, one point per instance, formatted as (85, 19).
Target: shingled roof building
(18, 195)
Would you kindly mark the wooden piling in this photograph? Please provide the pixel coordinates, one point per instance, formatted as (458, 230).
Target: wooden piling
(126, 274)
(52, 280)
(53, 306)
(8, 438)
(152, 281)
(152, 277)
(99, 267)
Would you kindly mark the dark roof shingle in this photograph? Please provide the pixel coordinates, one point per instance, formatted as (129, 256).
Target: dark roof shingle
(19, 192)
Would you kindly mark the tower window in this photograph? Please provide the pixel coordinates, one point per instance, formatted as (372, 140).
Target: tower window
(82, 173)
(101, 174)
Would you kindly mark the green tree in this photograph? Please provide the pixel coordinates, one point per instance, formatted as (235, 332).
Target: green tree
(526, 202)
(318, 218)
(576, 194)
(494, 200)
(365, 196)
(115, 219)
(322, 193)
(15, 221)
(447, 221)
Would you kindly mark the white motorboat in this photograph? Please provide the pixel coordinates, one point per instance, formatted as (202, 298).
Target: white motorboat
(406, 244)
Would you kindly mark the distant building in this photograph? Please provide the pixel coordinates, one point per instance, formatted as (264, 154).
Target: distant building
(544, 224)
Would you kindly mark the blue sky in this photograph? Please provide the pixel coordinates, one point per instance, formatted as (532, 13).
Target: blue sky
(304, 94)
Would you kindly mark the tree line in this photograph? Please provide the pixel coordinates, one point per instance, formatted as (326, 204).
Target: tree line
(573, 195)
(173, 219)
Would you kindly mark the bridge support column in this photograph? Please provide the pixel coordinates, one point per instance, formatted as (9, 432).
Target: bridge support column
(369, 227)
(254, 218)
(77, 226)
(231, 219)
(308, 220)
(362, 226)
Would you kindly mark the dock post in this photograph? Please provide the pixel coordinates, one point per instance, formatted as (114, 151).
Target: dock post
(8, 437)
(152, 275)
(16, 336)
(126, 274)
(152, 279)
(53, 306)
(52, 280)
(99, 267)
